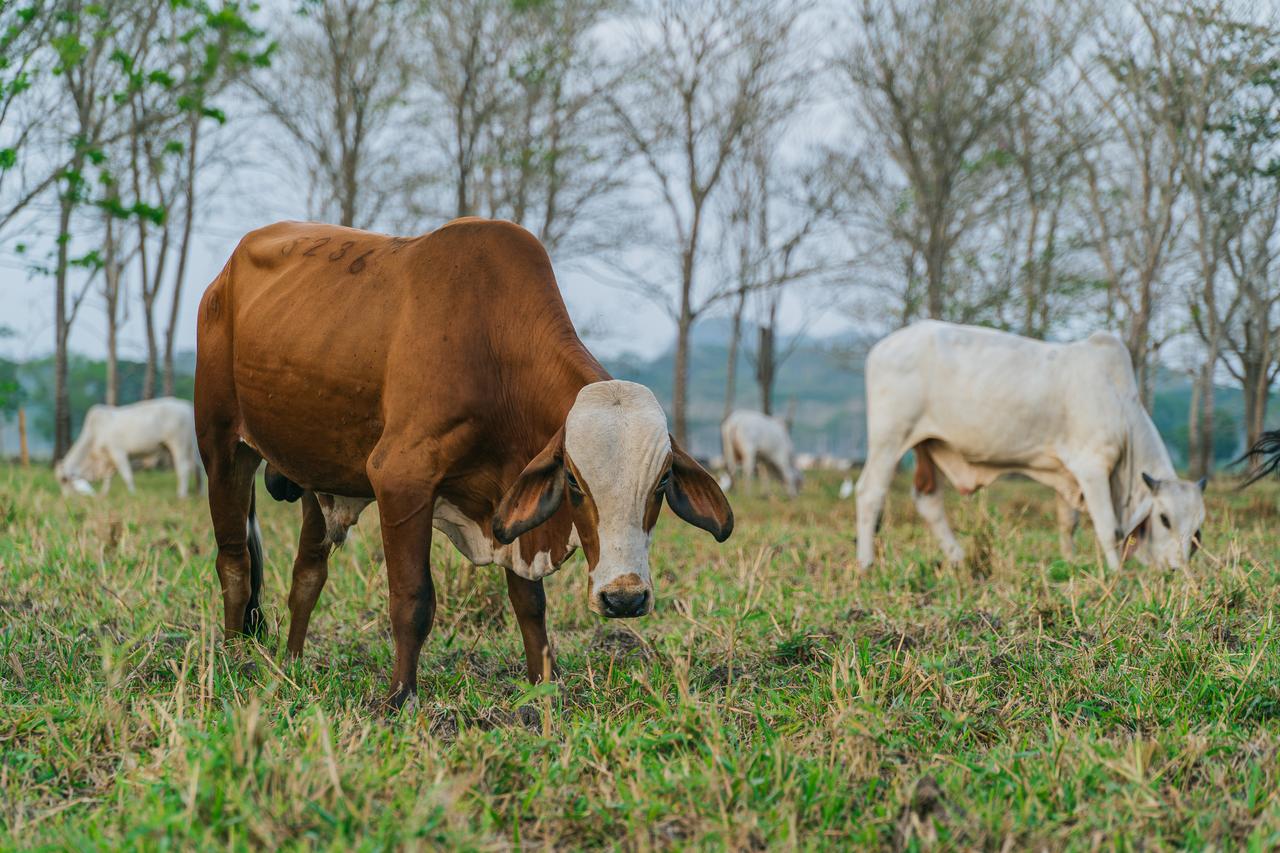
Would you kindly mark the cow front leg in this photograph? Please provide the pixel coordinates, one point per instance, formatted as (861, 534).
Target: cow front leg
(1097, 499)
(406, 542)
(529, 601)
(120, 460)
(182, 465)
(310, 571)
(1068, 521)
(749, 472)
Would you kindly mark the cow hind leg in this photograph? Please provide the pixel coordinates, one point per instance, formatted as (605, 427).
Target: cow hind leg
(871, 490)
(928, 498)
(310, 571)
(529, 601)
(235, 528)
(1068, 521)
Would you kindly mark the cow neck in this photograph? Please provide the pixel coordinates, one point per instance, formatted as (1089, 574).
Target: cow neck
(551, 392)
(1148, 449)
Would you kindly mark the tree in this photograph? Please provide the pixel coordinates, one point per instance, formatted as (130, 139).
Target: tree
(775, 220)
(26, 173)
(1133, 186)
(338, 91)
(89, 40)
(932, 82)
(219, 49)
(515, 95)
(705, 73)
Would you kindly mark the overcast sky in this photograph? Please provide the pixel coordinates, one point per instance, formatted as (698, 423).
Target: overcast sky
(263, 191)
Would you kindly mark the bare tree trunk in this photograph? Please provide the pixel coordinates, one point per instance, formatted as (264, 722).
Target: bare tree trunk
(680, 383)
(935, 260)
(1193, 424)
(735, 343)
(1202, 452)
(765, 364)
(112, 397)
(24, 453)
(1256, 383)
(61, 394)
(111, 295)
(184, 249)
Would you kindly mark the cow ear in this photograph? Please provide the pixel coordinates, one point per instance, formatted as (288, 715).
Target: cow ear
(1141, 512)
(694, 495)
(1203, 483)
(535, 495)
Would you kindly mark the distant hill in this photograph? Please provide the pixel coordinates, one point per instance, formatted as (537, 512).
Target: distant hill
(823, 376)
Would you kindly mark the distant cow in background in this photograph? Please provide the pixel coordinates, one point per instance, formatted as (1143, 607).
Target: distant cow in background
(754, 437)
(976, 404)
(111, 434)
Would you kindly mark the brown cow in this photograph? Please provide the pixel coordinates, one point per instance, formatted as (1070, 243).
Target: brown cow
(440, 376)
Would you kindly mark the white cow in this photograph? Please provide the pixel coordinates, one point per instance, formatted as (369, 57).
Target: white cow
(976, 404)
(751, 437)
(111, 434)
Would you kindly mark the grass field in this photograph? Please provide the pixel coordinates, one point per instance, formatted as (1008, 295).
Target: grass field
(776, 699)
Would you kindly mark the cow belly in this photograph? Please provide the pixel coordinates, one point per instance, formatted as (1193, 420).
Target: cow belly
(968, 475)
(478, 547)
(340, 514)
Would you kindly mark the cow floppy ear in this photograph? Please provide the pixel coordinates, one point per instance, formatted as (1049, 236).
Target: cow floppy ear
(535, 495)
(695, 496)
(1141, 512)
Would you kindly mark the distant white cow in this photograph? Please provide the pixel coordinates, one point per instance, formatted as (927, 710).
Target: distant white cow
(111, 434)
(752, 437)
(976, 404)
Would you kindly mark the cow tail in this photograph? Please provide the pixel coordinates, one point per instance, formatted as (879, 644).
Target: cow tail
(254, 624)
(1266, 454)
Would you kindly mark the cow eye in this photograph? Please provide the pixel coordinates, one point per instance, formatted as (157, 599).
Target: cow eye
(1164, 519)
(662, 481)
(572, 480)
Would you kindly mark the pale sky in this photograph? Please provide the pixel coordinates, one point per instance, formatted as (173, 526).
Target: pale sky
(611, 320)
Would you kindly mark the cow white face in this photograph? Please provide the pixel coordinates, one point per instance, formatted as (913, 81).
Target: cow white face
(1171, 533)
(71, 482)
(616, 463)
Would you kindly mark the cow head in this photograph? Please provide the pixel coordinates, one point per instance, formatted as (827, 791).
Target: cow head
(1166, 525)
(795, 478)
(616, 463)
(71, 481)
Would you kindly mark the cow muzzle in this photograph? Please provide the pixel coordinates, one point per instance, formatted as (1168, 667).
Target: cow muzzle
(624, 597)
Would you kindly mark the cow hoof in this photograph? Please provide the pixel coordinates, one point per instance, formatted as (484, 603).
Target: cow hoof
(400, 700)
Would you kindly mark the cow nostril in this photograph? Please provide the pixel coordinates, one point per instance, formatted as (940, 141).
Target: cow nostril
(622, 605)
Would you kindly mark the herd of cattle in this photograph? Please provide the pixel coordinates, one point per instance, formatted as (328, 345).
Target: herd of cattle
(442, 377)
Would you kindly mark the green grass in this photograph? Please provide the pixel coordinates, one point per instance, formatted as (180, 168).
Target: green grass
(777, 698)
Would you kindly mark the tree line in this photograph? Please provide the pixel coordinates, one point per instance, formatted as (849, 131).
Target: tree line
(1042, 166)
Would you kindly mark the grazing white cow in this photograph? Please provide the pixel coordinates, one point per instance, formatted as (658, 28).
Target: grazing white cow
(976, 404)
(111, 434)
(751, 437)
